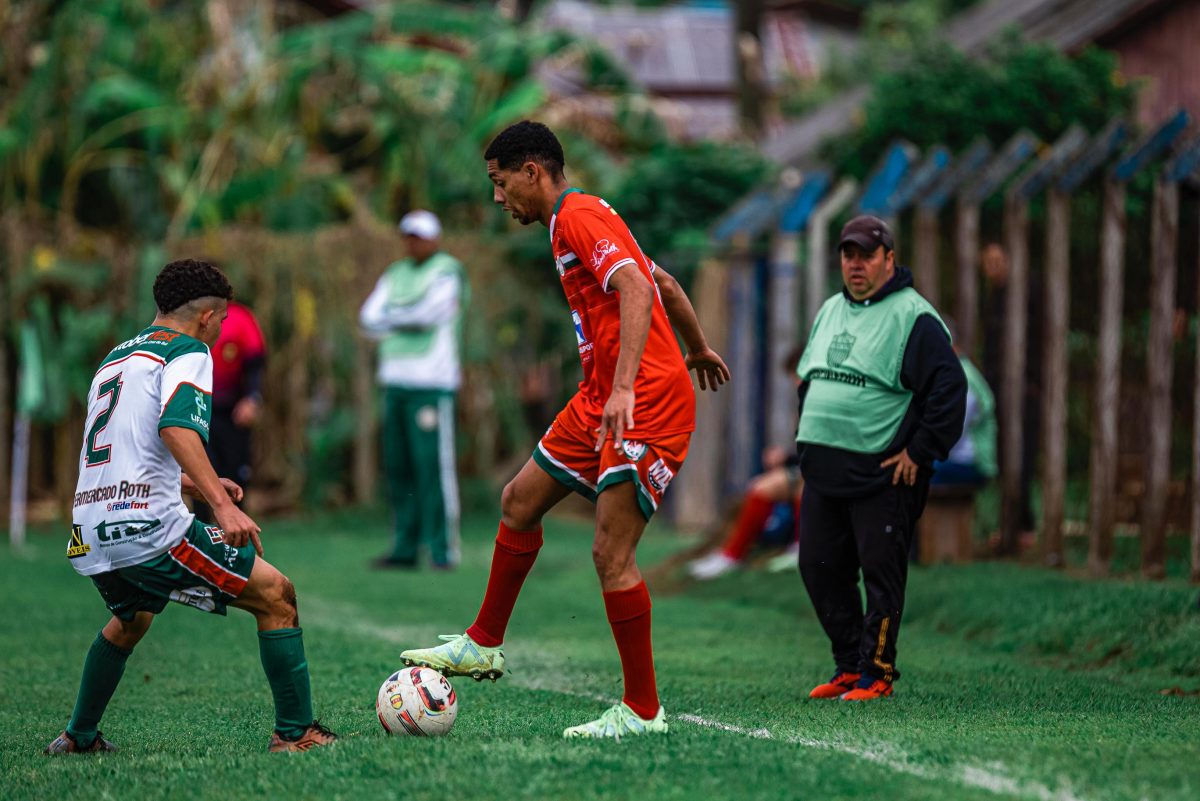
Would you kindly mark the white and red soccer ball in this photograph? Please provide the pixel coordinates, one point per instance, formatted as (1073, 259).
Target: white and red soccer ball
(416, 701)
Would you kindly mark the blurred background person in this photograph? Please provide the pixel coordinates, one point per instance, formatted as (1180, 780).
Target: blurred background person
(972, 460)
(415, 311)
(770, 507)
(239, 361)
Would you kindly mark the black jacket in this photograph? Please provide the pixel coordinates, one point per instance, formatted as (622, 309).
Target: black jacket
(931, 426)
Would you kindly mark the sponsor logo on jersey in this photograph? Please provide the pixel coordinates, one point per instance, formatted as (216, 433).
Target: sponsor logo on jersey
(126, 506)
(153, 338)
(76, 547)
(125, 531)
(579, 337)
(634, 451)
(602, 251)
(660, 476)
(121, 491)
(198, 416)
(215, 535)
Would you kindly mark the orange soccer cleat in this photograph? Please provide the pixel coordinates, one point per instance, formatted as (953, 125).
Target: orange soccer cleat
(836, 687)
(868, 689)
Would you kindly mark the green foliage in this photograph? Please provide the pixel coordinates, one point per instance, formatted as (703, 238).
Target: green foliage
(173, 127)
(944, 97)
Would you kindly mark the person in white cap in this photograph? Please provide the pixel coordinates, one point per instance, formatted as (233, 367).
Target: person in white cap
(415, 312)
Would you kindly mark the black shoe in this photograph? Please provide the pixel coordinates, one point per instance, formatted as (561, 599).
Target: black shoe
(391, 563)
(65, 744)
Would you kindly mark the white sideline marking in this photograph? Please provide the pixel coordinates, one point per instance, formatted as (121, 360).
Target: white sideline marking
(992, 778)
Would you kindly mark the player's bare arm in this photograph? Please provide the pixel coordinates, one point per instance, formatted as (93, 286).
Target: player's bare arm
(710, 368)
(231, 487)
(188, 449)
(637, 301)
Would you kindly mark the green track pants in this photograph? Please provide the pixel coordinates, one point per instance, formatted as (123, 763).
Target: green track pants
(418, 456)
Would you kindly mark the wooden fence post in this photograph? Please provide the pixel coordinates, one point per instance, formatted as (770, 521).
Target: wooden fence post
(966, 277)
(1194, 574)
(1164, 227)
(1012, 393)
(1107, 393)
(1159, 362)
(698, 486)
(1103, 466)
(1055, 367)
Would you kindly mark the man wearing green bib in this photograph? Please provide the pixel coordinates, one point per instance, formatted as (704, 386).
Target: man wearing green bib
(883, 396)
(415, 312)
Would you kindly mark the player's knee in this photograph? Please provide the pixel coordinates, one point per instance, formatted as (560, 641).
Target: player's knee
(516, 509)
(610, 562)
(281, 601)
(125, 634)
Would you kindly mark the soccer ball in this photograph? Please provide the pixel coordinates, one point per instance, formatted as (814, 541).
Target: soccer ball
(417, 701)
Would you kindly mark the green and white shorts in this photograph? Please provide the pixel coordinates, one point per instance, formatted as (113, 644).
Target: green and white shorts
(200, 571)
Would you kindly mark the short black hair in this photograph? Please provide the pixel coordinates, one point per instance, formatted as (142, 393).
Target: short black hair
(185, 280)
(527, 141)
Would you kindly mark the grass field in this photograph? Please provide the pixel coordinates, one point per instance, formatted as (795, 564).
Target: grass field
(1018, 683)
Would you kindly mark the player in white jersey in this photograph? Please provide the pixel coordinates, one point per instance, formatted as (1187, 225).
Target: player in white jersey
(149, 409)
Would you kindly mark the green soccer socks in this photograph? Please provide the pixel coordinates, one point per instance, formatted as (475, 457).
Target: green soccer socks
(102, 671)
(282, 652)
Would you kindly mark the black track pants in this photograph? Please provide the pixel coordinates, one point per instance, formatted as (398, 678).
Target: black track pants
(840, 536)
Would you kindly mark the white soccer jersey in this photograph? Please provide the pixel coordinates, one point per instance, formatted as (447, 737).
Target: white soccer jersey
(127, 505)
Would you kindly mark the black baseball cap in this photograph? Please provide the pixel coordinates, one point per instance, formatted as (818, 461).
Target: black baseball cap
(868, 233)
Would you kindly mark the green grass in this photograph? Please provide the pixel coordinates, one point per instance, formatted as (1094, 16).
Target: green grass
(1018, 683)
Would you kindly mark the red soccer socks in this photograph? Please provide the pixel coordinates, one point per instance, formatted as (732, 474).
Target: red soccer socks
(756, 510)
(629, 615)
(512, 560)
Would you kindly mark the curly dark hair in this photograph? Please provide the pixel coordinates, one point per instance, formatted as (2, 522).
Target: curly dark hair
(527, 141)
(186, 280)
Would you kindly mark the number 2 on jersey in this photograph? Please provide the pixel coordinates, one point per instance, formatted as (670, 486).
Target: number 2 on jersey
(101, 454)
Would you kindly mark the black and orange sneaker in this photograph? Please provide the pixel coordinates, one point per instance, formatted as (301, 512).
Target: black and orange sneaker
(836, 687)
(65, 744)
(869, 688)
(314, 736)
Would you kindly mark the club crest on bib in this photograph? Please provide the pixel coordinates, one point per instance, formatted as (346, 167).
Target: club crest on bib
(634, 451)
(839, 348)
(427, 418)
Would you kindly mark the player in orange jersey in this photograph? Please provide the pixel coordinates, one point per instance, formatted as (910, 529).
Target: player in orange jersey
(621, 438)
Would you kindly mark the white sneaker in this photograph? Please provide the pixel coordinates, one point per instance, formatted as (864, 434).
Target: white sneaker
(711, 566)
(786, 561)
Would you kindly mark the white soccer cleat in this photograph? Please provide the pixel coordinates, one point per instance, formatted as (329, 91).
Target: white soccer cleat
(712, 566)
(619, 721)
(458, 655)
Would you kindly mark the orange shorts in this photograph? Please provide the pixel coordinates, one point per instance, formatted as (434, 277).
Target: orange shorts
(567, 453)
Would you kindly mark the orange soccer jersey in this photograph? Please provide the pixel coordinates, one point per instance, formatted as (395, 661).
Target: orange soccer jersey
(590, 242)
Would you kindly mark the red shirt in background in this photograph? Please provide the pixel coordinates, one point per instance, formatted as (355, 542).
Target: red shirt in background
(240, 347)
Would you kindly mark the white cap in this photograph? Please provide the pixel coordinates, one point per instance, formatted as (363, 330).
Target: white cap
(421, 223)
